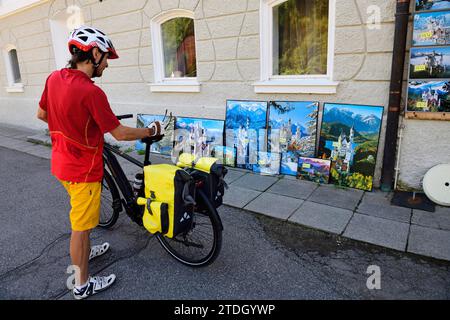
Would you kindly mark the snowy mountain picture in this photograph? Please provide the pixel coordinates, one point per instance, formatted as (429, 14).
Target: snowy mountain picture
(362, 119)
(245, 126)
(428, 96)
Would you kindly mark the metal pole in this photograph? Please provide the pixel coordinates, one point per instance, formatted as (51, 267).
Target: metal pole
(395, 92)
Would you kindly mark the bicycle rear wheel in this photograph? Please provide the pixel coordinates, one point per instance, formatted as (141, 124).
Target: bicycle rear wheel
(109, 211)
(201, 245)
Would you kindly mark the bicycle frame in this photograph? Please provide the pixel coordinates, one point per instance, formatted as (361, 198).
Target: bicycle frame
(128, 200)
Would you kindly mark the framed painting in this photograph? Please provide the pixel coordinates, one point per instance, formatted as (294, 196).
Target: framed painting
(431, 28)
(268, 163)
(430, 63)
(349, 137)
(289, 163)
(197, 136)
(428, 96)
(314, 170)
(246, 123)
(295, 123)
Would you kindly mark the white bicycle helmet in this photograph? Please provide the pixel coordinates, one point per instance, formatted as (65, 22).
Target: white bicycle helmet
(85, 38)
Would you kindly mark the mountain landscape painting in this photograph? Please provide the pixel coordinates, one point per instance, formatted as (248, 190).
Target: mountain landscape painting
(349, 138)
(289, 163)
(165, 145)
(314, 170)
(245, 125)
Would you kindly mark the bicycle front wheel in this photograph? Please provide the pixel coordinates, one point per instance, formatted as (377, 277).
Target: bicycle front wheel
(201, 245)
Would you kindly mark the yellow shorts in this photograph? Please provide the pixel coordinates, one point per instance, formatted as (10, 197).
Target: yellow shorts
(85, 202)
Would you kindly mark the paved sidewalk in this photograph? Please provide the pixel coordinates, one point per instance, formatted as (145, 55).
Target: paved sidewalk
(363, 216)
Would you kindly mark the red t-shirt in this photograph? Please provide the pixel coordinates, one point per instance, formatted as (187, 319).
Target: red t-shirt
(78, 116)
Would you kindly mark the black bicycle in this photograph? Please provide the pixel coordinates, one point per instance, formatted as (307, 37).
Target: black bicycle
(198, 246)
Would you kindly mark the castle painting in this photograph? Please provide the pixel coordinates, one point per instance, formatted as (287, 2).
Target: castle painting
(246, 130)
(165, 145)
(296, 124)
(349, 138)
(268, 163)
(431, 28)
(197, 136)
(292, 131)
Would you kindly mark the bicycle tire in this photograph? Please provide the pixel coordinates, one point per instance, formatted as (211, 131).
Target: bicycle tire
(213, 253)
(110, 195)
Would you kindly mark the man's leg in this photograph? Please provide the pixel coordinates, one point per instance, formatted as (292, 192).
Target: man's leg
(80, 247)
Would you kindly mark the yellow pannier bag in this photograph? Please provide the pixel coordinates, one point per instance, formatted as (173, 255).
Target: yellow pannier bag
(169, 199)
(157, 218)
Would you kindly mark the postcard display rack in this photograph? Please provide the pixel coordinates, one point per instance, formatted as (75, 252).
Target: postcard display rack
(429, 66)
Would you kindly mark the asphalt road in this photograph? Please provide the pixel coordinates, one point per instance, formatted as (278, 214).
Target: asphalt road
(261, 258)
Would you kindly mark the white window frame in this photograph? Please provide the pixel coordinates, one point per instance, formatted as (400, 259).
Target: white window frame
(13, 87)
(8, 7)
(269, 83)
(161, 83)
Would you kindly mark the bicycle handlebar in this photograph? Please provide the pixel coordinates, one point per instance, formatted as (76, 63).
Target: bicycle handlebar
(124, 116)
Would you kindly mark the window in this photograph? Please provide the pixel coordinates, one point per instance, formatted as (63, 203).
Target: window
(12, 70)
(179, 48)
(15, 66)
(174, 52)
(297, 45)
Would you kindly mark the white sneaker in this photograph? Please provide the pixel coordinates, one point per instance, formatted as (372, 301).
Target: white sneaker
(97, 251)
(95, 285)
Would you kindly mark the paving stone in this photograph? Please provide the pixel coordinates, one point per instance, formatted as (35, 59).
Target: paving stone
(378, 204)
(7, 142)
(239, 197)
(32, 148)
(274, 205)
(42, 152)
(293, 188)
(337, 197)
(440, 219)
(255, 182)
(233, 175)
(19, 145)
(322, 217)
(429, 242)
(382, 232)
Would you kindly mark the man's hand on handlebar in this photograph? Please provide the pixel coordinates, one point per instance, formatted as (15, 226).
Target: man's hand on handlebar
(155, 129)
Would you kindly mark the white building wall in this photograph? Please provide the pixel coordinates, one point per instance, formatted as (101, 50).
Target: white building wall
(228, 60)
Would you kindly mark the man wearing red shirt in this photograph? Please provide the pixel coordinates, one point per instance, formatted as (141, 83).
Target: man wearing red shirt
(78, 115)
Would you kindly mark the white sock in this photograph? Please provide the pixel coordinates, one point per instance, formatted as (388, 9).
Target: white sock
(81, 287)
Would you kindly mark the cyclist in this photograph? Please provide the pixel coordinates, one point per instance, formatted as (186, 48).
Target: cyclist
(78, 115)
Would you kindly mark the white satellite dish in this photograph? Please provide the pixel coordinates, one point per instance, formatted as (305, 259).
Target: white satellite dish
(436, 184)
